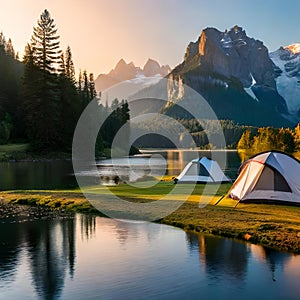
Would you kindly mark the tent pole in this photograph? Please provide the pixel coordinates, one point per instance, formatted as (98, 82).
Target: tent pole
(219, 200)
(236, 204)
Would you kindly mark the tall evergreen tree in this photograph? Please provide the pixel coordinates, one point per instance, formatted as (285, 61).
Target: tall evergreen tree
(10, 77)
(9, 49)
(43, 128)
(92, 89)
(85, 94)
(69, 100)
(69, 65)
(45, 43)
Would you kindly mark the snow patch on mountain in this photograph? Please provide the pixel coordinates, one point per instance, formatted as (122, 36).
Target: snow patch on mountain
(249, 91)
(127, 88)
(144, 81)
(294, 48)
(287, 59)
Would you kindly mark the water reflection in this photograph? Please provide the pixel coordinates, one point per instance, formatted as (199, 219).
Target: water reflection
(87, 226)
(104, 258)
(9, 252)
(218, 255)
(50, 251)
(36, 175)
(231, 257)
(274, 260)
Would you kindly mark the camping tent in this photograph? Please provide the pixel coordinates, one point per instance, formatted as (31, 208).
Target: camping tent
(202, 170)
(268, 177)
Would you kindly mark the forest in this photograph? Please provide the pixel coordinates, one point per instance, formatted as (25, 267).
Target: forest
(40, 97)
(268, 138)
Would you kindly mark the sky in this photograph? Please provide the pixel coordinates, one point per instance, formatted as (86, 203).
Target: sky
(101, 32)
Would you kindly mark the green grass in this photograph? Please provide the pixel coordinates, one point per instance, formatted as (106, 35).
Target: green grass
(274, 226)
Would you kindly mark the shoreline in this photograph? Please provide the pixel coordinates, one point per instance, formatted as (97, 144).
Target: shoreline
(272, 226)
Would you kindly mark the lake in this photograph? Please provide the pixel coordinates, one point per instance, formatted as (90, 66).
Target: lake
(59, 174)
(88, 257)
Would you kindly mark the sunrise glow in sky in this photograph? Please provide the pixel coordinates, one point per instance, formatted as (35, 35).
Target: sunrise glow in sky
(101, 32)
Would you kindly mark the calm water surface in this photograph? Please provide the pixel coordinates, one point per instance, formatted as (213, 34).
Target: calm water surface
(56, 174)
(60, 174)
(89, 257)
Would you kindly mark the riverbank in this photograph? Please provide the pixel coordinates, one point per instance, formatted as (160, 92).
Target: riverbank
(273, 226)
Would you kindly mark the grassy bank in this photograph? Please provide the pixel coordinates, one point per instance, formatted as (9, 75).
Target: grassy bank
(274, 226)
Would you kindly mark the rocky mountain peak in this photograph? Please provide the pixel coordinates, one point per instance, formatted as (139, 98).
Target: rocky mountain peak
(294, 48)
(121, 63)
(123, 71)
(231, 54)
(152, 68)
(234, 73)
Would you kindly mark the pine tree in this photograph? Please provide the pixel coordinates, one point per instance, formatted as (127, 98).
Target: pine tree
(31, 91)
(62, 66)
(10, 79)
(2, 41)
(9, 49)
(92, 90)
(286, 140)
(43, 120)
(69, 65)
(85, 94)
(45, 43)
(69, 100)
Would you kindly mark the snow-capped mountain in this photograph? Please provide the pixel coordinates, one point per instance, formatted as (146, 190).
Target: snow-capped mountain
(294, 48)
(235, 75)
(287, 62)
(143, 77)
